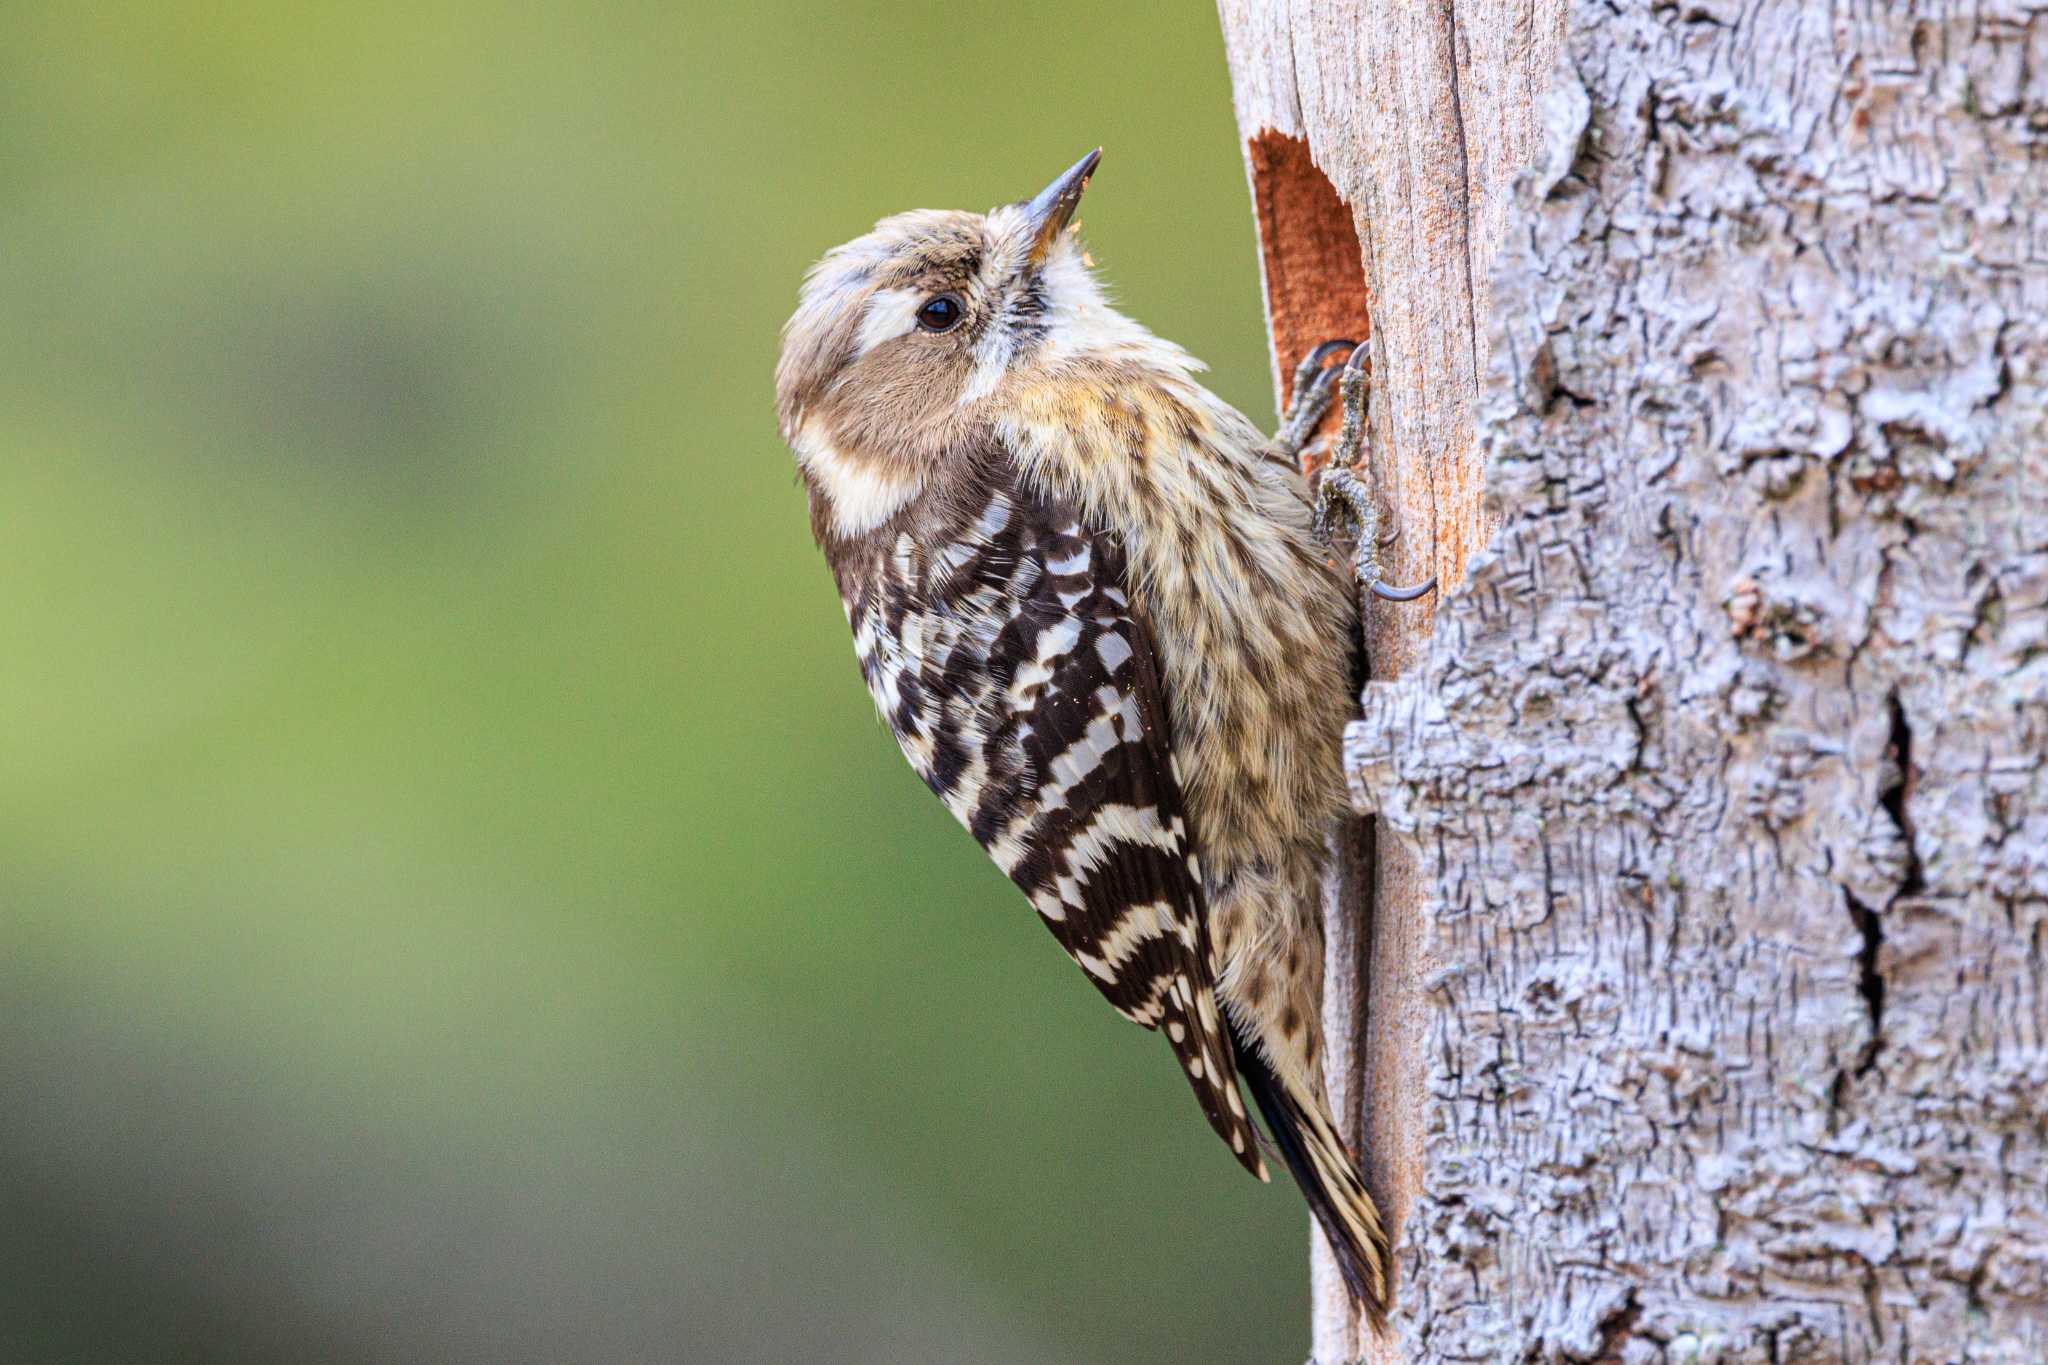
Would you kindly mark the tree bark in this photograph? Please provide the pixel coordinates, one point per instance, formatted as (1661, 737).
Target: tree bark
(1706, 1013)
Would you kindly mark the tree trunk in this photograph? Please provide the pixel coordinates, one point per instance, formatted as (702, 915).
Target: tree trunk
(1706, 1013)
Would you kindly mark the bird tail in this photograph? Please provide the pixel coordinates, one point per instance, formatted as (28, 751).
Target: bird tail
(1321, 1164)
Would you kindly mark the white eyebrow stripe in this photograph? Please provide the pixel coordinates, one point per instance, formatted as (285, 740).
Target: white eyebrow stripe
(891, 313)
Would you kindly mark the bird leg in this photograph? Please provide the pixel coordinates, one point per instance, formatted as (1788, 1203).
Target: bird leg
(1343, 483)
(1314, 389)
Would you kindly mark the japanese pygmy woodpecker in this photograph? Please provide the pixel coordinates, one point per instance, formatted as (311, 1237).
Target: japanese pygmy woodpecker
(1089, 598)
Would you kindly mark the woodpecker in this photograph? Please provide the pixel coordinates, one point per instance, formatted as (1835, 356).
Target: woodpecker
(1089, 598)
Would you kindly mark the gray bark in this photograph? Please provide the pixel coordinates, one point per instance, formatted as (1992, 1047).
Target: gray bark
(1719, 776)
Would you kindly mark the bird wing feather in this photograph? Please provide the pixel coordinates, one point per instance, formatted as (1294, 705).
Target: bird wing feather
(1026, 692)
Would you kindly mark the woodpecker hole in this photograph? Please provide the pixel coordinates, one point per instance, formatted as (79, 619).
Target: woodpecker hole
(1309, 250)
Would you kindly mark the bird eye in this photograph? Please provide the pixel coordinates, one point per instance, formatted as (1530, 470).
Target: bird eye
(939, 314)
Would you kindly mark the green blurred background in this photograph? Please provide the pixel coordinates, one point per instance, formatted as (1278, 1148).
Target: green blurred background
(459, 904)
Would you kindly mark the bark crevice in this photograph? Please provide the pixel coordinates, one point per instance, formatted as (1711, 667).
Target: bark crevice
(1870, 981)
(1897, 795)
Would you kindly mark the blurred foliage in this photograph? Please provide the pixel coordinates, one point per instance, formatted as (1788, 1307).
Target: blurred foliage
(458, 901)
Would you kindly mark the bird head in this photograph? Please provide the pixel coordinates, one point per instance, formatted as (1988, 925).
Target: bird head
(904, 340)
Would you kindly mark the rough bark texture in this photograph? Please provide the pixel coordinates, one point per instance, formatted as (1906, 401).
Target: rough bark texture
(1721, 777)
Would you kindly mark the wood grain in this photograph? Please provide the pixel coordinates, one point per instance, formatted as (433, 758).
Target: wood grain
(1380, 144)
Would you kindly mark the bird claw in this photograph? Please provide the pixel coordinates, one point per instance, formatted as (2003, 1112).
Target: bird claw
(1309, 399)
(1341, 483)
(1381, 590)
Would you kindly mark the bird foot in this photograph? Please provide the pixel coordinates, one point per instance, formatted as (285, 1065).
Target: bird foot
(1342, 486)
(1315, 388)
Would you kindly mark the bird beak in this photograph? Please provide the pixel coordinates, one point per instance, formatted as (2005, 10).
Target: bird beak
(1054, 207)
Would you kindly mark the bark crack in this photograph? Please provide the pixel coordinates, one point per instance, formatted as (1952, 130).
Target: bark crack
(1868, 921)
(1894, 798)
(1616, 1330)
(1870, 981)
(1464, 188)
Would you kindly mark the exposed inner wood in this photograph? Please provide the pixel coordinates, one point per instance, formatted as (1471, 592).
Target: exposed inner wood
(1314, 271)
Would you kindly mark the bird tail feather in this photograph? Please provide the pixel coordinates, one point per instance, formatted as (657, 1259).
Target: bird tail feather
(1322, 1165)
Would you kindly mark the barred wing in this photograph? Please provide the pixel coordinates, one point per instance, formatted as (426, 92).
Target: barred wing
(1027, 694)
